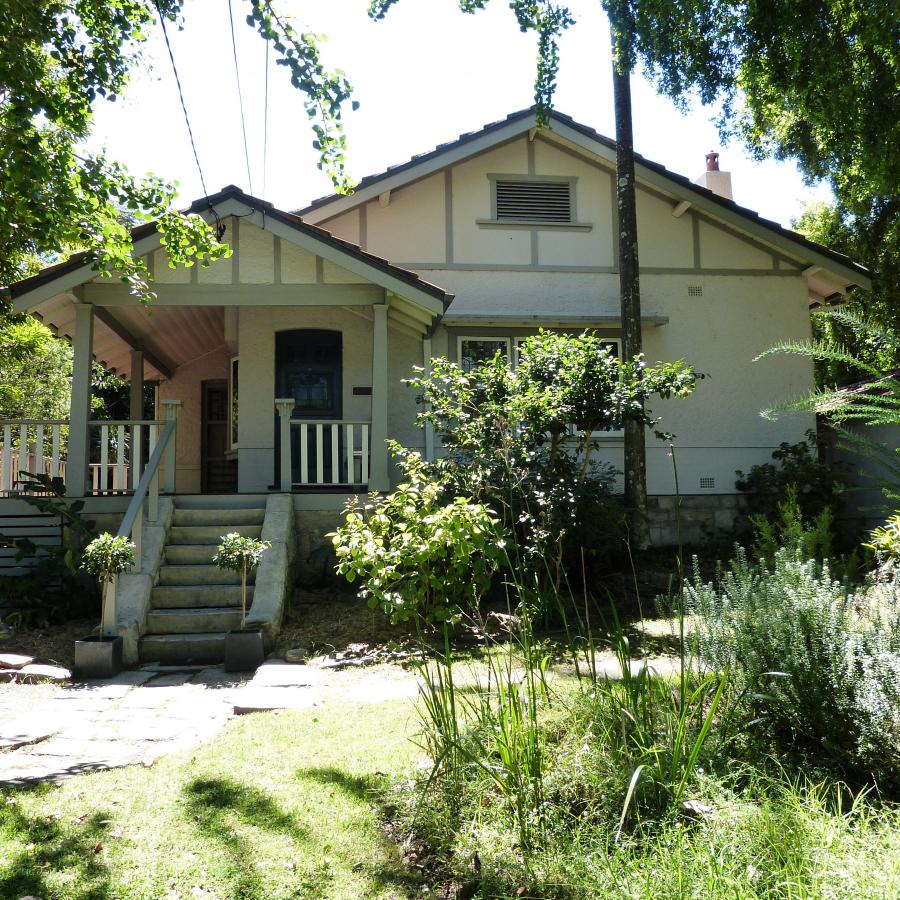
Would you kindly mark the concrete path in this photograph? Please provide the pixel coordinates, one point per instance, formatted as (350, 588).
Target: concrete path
(51, 732)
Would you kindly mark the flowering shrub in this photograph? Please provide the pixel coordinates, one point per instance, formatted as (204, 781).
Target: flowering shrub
(237, 553)
(107, 556)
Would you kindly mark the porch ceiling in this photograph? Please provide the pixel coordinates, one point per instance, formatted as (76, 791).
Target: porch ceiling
(170, 336)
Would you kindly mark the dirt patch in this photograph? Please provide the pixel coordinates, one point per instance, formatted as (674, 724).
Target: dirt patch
(328, 621)
(54, 644)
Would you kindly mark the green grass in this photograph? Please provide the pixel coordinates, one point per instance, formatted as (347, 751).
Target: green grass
(279, 805)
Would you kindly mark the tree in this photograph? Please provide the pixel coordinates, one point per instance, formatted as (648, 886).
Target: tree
(35, 371)
(816, 81)
(57, 58)
(859, 239)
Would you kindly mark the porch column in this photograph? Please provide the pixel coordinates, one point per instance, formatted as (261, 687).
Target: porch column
(378, 470)
(429, 428)
(136, 394)
(170, 411)
(80, 409)
(285, 407)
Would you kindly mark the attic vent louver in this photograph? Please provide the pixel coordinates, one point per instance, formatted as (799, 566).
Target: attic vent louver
(534, 201)
(695, 290)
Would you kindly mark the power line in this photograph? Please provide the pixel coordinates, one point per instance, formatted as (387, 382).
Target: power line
(265, 121)
(237, 75)
(187, 121)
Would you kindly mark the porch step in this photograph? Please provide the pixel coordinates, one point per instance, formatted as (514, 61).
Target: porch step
(209, 534)
(190, 555)
(193, 596)
(200, 573)
(233, 516)
(203, 620)
(182, 649)
(194, 603)
(220, 501)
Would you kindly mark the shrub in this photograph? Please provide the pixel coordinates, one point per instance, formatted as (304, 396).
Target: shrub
(522, 441)
(107, 556)
(789, 528)
(796, 467)
(818, 665)
(416, 553)
(237, 553)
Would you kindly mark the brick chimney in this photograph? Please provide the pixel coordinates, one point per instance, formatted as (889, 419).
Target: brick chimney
(714, 179)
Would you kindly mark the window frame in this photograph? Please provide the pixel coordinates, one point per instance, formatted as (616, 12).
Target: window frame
(483, 338)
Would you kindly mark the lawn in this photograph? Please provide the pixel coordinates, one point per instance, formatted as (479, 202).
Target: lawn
(279, 805)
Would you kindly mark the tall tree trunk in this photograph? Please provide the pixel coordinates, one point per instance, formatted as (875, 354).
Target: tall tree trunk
(630, 290)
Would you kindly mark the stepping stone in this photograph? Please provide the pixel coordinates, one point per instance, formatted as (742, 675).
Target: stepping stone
(35, 672)
(267, 699)
(281, 675)
(297, 655)
(14, 660)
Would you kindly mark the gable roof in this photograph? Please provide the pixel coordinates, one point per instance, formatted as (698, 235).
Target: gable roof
(77, 269)
(561, 125)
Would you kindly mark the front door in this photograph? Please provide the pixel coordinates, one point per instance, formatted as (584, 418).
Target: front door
(218, 473)
(308, 368)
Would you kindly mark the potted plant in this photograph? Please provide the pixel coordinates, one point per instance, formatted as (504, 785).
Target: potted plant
(100, 656)
(244, 649)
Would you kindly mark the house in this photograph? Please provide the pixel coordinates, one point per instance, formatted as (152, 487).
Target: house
(279, 370)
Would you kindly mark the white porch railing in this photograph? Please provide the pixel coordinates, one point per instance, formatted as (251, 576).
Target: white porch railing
(30, 445)
(326, 452)
(146, 493)
(118, 450)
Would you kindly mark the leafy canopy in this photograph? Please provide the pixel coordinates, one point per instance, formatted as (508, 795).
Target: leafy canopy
(59, 57)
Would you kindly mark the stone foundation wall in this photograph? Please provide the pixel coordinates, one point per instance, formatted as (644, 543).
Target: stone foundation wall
(703, 516)
(315, 558)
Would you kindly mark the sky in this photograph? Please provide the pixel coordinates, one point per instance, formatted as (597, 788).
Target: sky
(424, 75)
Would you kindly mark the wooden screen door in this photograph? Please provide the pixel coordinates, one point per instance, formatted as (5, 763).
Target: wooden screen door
(218, 473)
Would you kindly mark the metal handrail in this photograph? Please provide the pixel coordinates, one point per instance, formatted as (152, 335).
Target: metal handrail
(132, 521)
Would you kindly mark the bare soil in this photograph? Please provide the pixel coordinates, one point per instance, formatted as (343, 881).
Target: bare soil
(54, 644)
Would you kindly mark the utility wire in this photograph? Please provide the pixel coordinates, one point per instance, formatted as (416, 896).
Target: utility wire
(265, 121)
(187, 121)
(237, 76)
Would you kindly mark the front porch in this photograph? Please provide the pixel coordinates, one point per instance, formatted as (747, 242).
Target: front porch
(279, 368)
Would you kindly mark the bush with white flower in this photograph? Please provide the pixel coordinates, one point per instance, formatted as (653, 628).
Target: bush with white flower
(238, 553)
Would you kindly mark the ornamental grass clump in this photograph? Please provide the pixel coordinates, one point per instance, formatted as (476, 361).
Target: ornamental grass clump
(237, 553)
(107, 556)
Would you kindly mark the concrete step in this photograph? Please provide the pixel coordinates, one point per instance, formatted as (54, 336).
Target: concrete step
(203, 620)
(182, 649)
(226, 519)
(208, 534)
(220, 501)
(189, 554)
(193, 596)
(201, 574)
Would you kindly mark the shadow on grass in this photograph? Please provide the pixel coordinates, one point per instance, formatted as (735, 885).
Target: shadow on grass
(215, 804)
(47, 844)
(389, 872)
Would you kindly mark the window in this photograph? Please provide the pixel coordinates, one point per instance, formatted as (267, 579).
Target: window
(473, 351)
(533, 201)
(233, 403)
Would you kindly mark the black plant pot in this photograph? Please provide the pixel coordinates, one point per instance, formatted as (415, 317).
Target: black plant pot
(98, 657)
(244, 650)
